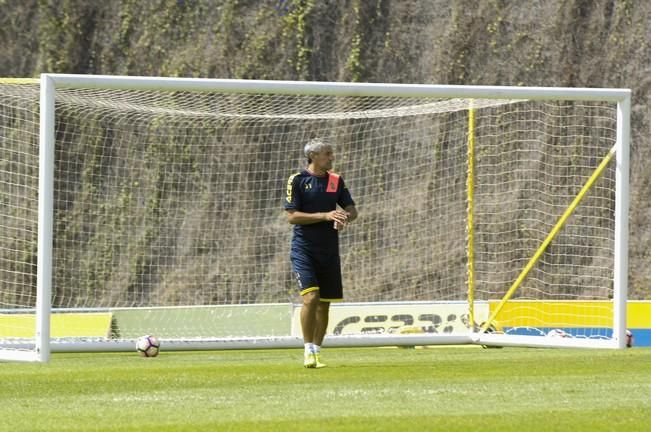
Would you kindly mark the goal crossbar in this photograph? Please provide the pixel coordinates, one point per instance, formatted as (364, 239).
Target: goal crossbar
(336, 88)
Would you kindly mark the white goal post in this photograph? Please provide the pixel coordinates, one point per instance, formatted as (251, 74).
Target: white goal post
(133, 205)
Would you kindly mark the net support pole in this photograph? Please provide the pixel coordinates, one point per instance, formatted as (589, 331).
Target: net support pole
(45, 219)
(620, 285)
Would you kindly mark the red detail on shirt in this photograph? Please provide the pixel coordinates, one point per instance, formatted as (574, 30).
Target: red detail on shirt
(333, 182)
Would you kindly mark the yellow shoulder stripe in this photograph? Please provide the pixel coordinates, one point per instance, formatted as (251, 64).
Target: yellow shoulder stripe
(289, 187)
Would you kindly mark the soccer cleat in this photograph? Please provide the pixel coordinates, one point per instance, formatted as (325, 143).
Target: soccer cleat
(318, 364)
(309, 361)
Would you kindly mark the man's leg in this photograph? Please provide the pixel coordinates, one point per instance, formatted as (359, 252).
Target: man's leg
(309, 311)
(331, 289)
(322, 313)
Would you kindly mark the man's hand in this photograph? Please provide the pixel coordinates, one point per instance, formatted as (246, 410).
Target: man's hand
(340, 217)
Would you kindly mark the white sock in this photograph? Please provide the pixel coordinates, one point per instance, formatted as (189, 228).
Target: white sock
(309, 348)
(317, 349)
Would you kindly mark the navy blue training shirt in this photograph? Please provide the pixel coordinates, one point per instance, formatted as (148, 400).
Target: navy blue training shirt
(309, 193)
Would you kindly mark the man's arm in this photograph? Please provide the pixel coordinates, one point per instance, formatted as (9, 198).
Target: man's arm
(352, 213)
(296, 217)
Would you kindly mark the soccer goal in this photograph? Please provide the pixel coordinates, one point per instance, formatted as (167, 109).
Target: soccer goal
(133, 206)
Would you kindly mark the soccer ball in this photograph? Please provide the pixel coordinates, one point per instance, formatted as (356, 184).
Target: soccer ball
(148, 346)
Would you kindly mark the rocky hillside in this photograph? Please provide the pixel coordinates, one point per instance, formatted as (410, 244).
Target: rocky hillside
(574, 43)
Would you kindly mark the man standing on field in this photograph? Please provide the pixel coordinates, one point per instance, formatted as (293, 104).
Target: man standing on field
(311, 204)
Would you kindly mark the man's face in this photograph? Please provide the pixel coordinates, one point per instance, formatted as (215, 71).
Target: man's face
(323, 160)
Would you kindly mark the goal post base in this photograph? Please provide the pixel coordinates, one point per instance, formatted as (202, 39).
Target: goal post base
(11, 355)
(502, 340)
(287, 342)
(25, 351)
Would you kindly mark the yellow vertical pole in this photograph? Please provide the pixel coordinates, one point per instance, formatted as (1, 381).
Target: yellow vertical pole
(470, 190)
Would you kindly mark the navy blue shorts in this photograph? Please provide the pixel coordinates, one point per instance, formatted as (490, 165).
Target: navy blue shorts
(321, 272)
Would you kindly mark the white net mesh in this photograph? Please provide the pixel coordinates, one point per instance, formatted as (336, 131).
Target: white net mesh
(528, 179)
(532, 163)
(18, 207)
(175, 199)
(172, 201)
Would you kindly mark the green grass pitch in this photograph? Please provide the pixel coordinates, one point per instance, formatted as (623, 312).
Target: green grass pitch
(376, 389)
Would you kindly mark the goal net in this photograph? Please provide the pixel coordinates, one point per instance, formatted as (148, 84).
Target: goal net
(487, 215)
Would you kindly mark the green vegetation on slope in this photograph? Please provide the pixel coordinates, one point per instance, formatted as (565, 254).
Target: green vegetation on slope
(578, 43)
